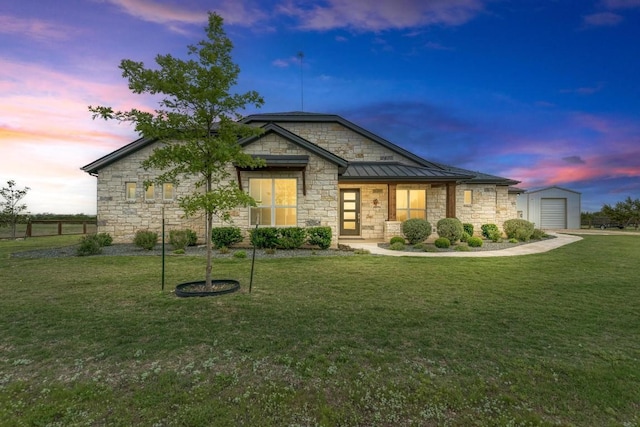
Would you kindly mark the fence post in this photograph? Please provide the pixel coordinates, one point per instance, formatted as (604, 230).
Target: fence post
(29, 229)
(84, 227)
(59, 228)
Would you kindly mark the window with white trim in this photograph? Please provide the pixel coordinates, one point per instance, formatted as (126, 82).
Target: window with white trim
(150, 193)
(168, 191)
(277, 201)
(411, 204)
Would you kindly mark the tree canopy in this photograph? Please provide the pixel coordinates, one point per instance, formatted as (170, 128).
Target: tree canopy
(196, 123)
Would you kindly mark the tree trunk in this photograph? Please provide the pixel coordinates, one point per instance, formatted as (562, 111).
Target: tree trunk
(207, 237)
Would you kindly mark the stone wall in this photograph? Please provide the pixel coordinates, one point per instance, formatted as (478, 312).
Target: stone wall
(491, 204)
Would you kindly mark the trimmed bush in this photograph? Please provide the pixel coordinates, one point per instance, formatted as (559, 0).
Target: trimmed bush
(442, 242)
(468, 228)
(475, 242)
(192, 237)
(416, 230)
(462, 248)
(179, 239)
(487, 229)
(495, 236)
(396, 239)
(104, 239)
(319, 236)
(520, 229)
(89, 245)
(291, 237)
(145, 239)
(240, 254)
(397, 246)
(539, 234)
(465, 236)
(225, 236)
(450, 228)
(264, 238)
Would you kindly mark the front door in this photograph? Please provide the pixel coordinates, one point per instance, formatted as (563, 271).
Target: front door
(350, 212)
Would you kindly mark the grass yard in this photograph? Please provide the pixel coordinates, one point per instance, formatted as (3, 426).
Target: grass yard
(548, 339)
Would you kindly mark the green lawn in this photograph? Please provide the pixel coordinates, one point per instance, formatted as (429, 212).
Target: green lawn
(549, 339)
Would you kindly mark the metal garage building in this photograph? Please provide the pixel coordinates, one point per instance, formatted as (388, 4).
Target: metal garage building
(550, 208)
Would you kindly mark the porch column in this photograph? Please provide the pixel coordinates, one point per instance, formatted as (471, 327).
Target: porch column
(391, 208)
(451, 200)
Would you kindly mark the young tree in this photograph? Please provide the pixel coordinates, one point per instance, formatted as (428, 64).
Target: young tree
(12, 211)
(197, 124)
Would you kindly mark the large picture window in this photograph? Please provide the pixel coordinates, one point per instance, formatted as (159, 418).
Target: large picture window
(411, 204)
(277, 201)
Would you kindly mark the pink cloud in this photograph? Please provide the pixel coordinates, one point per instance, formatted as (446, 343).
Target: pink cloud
(602, 19)
(172, 15)
(34, 28)
(383, 14)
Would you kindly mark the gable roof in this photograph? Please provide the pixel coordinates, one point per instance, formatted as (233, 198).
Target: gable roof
(93, 167)
(272, 128)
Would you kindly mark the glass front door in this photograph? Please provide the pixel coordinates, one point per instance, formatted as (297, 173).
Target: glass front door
(350, 212)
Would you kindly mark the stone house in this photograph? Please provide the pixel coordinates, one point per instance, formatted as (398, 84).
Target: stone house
(320, 170)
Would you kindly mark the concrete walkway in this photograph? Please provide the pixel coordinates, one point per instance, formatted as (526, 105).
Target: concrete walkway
(526, 249)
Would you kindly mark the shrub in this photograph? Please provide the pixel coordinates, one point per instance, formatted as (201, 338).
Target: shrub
(89, 245)
(416, 230)
(397, 246)
(475, 242)
(291, 237)
(451, 228)
(264, 238)
(495, 236)
(319, 236)
(487, 229)
(192, 237)
(468, 228)
(396, 239)
(539, 234)
(513, 240)
(223, 250)
(179, 252)
(145, 239)
(179, 239)
(442, 243)
(240, 254)
(462, 248)
(520, 229)
(225, 236)
(420, 246)
(104, 239)
(465, 237)
(270, 251)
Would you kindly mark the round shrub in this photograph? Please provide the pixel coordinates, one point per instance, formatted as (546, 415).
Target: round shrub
(240, 254)
(475, 242)
(291, 237)
(487, 229)
(539, 234)
(145, 239)
(225, 236)
(462, 248)
(495, 236)
(104, 239)
(468, 228)
(520, 229)
(89, 245)
(192, 237)
(179, 239)
(397, 246)
(416, 230)
(397, 239)
(319, 236)
(264, 237)
(450, 228)
(442, 243)
(465, 236)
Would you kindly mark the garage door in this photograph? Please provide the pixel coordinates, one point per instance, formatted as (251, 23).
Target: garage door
(553, 213)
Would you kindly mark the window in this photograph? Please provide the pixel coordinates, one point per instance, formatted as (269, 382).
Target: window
(411, 204)
(168, 191)
(130, 191)
(277, 201)
(150, 193)
(468, 197)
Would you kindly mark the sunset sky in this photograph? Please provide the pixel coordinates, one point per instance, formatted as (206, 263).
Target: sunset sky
(546, 92)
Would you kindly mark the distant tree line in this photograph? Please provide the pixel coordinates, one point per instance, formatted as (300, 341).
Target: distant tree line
(625, 213)
(47, 216)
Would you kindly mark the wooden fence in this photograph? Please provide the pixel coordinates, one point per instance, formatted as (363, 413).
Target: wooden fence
(56, 228)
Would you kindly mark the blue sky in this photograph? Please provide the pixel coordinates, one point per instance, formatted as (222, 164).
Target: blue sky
(541, 91)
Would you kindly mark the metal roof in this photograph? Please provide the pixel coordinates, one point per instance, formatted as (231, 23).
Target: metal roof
(395, 171)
